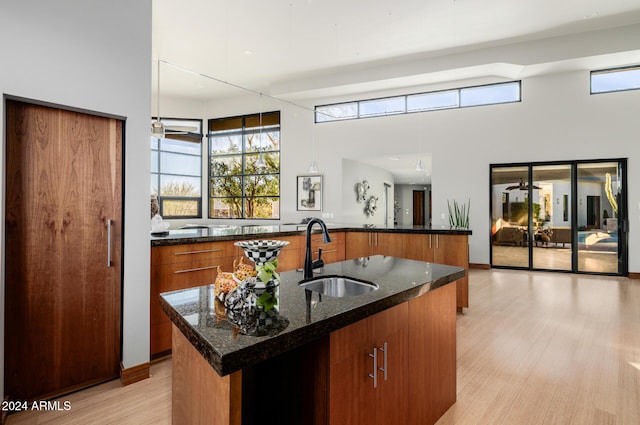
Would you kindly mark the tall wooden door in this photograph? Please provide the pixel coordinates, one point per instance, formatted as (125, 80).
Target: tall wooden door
(418, 208)
(63, 241)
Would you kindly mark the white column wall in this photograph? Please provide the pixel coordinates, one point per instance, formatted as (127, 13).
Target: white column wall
(94, 56)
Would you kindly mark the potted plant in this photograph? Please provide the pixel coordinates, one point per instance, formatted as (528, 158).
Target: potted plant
(459, 214)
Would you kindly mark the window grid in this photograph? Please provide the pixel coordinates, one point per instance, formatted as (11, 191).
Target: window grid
(247, 128)
(169, 204)
(330, 112)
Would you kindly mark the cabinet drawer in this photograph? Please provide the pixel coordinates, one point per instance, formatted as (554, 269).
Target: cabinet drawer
(289, 260)
(330, 254)
(318, 242)
(171, 277)
(190, 252)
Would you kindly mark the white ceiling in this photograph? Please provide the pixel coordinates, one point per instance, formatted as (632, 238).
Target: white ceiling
(309, 49)
(329, 47)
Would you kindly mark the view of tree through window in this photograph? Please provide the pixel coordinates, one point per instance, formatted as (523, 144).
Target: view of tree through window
(239, 185)
(176, 169)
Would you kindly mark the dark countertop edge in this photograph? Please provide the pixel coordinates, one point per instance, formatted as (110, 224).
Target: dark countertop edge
(168, 240)
(270, 348)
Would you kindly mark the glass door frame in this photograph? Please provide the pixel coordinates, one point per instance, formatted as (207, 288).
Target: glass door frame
(622, 225)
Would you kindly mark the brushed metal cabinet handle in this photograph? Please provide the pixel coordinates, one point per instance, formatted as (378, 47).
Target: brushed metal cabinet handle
(384, 361)
(374, 376)
(197, 252)
(196, 269)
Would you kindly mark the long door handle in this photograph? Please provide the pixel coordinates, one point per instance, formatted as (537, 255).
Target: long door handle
(108, 242)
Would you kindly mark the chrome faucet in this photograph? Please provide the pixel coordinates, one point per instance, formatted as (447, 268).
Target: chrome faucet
(309, 264)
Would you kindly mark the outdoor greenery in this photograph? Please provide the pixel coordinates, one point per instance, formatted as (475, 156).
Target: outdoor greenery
(238, 188)
(179, 207)
(519, 213)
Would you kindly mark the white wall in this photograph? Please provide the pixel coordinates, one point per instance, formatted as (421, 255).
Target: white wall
(95, 56)
(354, 172)
(557, 120)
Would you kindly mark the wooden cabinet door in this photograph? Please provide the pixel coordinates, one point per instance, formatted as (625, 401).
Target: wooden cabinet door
(454, 250)
(391, 244)
(391, 394)
(418, 247)
(432, 355)
(352, 397)
(351, 393)
(63, 235)
(358, 244)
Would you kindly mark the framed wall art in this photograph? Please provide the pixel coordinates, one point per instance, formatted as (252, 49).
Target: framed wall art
(309, 193)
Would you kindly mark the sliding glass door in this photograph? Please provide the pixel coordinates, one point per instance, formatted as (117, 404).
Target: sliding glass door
(599, 196)
(510, 216)
(564, 216)
(551, 206)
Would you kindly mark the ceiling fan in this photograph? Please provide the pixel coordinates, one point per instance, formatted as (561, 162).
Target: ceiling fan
(522, 186)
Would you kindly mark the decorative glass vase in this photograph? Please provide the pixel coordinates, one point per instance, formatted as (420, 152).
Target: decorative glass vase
(253, 305)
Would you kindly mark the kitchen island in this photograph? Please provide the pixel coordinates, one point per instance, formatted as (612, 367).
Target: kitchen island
(315, 367)
(190, 257)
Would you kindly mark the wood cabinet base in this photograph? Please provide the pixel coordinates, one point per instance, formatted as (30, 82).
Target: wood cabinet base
(296, 379)
(327, 381)
(199, 394)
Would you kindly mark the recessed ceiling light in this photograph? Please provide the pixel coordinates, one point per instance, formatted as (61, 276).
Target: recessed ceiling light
(247, 52)
(394, 158)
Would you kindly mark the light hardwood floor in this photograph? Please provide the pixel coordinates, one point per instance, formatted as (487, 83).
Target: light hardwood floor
(555, 258)
(533, 348)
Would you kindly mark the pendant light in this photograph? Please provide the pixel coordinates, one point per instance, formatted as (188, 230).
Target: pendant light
(313, 168)
(157, 128)
(419, 166)
(260, 162)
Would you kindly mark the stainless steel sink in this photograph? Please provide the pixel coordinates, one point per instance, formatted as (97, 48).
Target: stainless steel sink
(337, 286)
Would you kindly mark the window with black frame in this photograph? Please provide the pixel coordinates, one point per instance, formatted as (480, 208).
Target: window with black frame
(244, 166)
(176, 168)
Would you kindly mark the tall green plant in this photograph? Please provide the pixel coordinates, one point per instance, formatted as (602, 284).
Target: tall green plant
(459, 214)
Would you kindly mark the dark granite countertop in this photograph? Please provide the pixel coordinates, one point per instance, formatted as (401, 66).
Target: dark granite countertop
(215, 233)
(193, 310)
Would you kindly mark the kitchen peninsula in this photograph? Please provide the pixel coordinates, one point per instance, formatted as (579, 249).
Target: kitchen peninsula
(190, 257)
(385, 356)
